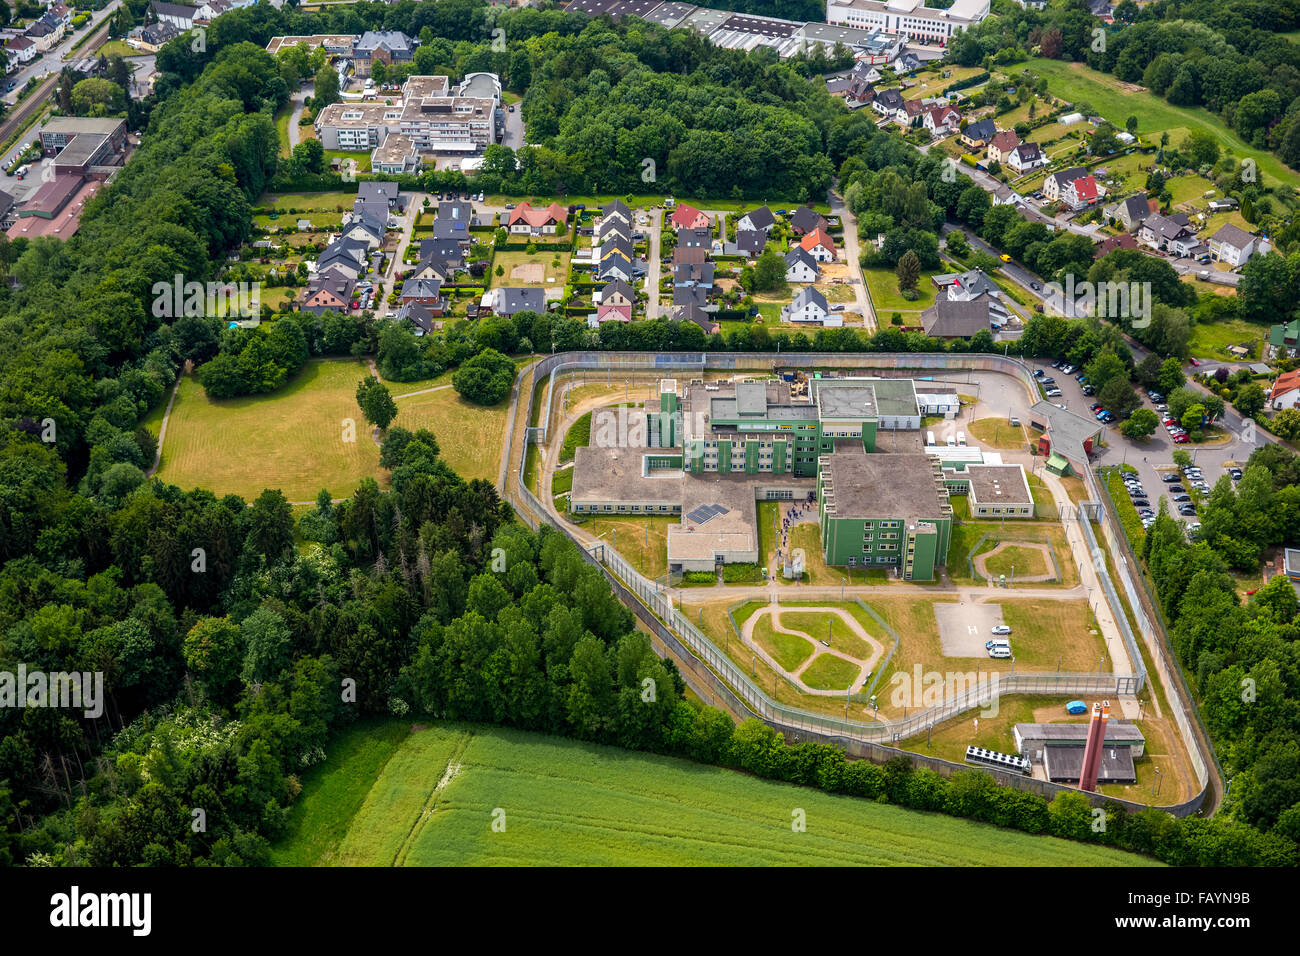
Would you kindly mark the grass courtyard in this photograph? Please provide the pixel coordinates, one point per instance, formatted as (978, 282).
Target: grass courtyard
(882, 283)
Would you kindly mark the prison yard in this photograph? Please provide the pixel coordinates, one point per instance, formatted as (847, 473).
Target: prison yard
(402, 794)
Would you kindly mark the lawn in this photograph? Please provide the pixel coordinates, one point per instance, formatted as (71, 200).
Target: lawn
(469, 436)
(788, 650)
(293, 439)
(829, 672)
(508, 261)
(1015, 559)
(1048, 635)
(1210, 340)
(997, 433)
(578, 436)
(1105, 97)
(311, 202)
(882, 283)
(837, 635)
(557, 802)
(816, 571)
(118, 48)
(641, 539)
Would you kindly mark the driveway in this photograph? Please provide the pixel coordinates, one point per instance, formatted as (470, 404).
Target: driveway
(513, 135)
(653, 265)
(851, 257)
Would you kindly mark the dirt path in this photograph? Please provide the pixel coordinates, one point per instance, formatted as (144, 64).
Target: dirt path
(162, 429)
(775, 610)
(980, 559)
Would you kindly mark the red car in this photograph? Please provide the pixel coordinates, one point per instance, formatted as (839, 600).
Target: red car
(1171, 421)
(1194, 362)
(1180, 439)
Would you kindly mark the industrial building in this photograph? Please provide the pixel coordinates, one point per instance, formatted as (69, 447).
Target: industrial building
(1060, 749)
(993, 490)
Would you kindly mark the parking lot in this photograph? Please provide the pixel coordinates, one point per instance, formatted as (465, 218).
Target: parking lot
(1156, 452)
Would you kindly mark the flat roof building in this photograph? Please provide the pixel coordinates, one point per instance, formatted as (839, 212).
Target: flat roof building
(884, 510)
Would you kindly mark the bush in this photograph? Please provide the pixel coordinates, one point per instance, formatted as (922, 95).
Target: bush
(485, 379)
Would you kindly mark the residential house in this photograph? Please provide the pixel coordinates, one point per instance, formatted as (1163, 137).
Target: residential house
(448, 250)
(457, 212)
(45, 32)
(453, 229)
(689, 255)
(887, 102)
(804, 220)
(617, 210)
(20, 50)
(1172, 234)
(688, 217)
(957, 316)
(425, 292)
(966, 285)
(526, 220)
(612, 229)
(346, 255)
(684, 295)
(800, 266)
(910, 113)
(608, 313)
(177, 15)
(760, 218)
(8, 210)
(328, 291)
(751, 242)
(1111, 243)
(1001, 145)
(694, 274)
(941, 120)
(819, 245)
(810, 306)
(366, 229)
(694, 314)
(434, 267)
(1055, 183)
(695, 238)
(1083, 192)
(616, 292)
(1233, 245)
(1129, 212)
(1025, 157)
(510, 301)
(420, 317)
(1285, 391)
(977, 135)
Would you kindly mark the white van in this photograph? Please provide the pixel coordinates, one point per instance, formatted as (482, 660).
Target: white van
(1000, 651)
(961, 438)
(952, 442)
(929, 438)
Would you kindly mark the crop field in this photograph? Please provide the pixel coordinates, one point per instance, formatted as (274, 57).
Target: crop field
(293, 439)
(457, 795)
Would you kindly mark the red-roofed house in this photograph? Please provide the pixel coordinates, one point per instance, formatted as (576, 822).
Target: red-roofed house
(1001, 145)
(819, 245)
(1111, 243)
(1083, 191)
(525, 220)
(943, 119)
(20, 49)
(609, 313)
(688, 217)
(1285, 392)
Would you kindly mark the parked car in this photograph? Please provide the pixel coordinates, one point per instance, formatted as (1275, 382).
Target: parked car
(1039, 373)
(1001, 629)
(1141, 503)
(1053, 393)
(1177, 499)
(1235, 473)
(1180, 439)
(1177, 490)
(1088, 390)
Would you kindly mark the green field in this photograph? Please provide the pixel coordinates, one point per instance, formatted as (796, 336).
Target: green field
(1209, 340)
(293, 439)
(1104, 96)
(882, 283)
(433, 798)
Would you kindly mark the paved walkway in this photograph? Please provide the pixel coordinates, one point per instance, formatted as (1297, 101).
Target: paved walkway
(774, 611)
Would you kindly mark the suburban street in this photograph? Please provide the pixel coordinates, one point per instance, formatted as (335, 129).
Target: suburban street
(852, 253)
(653, 266)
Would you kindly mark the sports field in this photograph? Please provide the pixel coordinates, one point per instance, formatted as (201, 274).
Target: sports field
(391, 794)
(293, 439)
